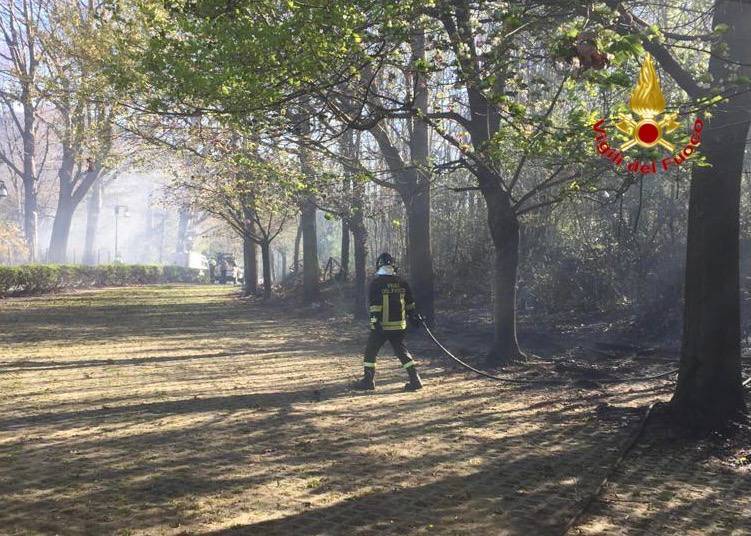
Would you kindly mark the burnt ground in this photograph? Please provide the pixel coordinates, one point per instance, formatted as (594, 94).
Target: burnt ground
(184, 410)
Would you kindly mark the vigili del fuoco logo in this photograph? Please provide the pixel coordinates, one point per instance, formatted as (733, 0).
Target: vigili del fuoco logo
(648, 129)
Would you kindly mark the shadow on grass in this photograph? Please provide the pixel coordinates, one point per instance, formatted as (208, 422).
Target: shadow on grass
(299, 453)
(524, 479)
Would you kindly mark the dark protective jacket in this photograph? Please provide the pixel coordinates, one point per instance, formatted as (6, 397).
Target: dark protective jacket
(390, 303)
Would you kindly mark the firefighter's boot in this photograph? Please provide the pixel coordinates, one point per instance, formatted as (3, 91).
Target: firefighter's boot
(367, 383)
(414, 383)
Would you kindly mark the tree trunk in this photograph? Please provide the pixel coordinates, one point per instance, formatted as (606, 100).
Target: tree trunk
(709, 394)
(60, 232)
(73, 186)
(30, 217)
(66, 206)
(417, 203)
(283, 253)
(504, 231)
(344, 270)
(94, 208)
(420, 254)
(350, 149)
(360, 237)
(311, 269)
(273, 265)
(31, 209)
(296, 257)
(484, 123)
(266, 259)
(250, 271)
(181, 247)
(412, 181)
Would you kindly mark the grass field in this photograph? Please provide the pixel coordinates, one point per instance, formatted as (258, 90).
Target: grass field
(184, 410)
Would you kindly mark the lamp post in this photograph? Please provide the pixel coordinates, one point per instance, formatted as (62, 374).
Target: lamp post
(126, 214)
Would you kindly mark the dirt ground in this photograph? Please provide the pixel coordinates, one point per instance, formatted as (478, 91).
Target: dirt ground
(184, 410)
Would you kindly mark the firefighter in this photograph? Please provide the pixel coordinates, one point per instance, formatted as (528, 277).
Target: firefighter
(391, 305)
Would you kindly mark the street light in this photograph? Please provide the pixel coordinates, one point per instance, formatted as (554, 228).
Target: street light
(126, 214)
(3, 190)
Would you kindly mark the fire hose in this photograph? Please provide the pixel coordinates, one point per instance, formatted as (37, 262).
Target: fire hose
(531, 381)
(746, 382)
(625, 449)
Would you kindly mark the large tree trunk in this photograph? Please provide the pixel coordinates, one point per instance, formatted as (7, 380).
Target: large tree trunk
(709, 394)
(504, 231)
(504, 228)
(412, 181)
(61, 232)
(71, 191)
(417, 203)
(94, 209)
(484, 123)
(66, 206)
(418, 244)
(266, 260)
(311, 269)
(250, 270)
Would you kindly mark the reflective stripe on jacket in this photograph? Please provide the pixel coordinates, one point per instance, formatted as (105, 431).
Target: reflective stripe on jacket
(390, 301)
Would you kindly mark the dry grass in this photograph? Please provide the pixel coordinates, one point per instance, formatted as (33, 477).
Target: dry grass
(182, 410)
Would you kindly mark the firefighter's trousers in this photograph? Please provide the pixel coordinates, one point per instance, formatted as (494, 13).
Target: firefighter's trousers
(378, 338)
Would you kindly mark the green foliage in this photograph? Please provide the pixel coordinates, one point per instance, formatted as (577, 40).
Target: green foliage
(254, 194)
(237, 57)
(44, 278)
(12, 240)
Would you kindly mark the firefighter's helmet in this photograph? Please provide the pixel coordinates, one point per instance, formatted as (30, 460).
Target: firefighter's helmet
(384, 259)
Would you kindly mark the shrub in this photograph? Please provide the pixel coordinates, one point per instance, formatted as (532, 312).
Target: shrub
(42, 278)
(180, 274)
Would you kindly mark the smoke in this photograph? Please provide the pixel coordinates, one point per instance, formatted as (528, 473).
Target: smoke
(143, 229)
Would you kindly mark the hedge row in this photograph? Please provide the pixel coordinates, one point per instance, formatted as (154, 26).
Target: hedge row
(42, 278)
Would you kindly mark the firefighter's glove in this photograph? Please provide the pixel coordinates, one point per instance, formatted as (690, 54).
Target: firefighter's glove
(415, 320)
(373, 322)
